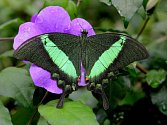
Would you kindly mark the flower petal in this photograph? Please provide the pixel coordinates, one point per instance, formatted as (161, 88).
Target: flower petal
(33, 18)
(26, 31)
(78, 25)
(50, 19)
(53, 19)
(42, 78)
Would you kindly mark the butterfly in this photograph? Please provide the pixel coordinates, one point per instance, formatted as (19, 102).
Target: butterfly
(64, 55)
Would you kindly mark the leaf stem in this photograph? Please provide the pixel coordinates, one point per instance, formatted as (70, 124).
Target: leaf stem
(7, 39)
(143, 27)
(8, 23)
(36, 109)
(139, 66)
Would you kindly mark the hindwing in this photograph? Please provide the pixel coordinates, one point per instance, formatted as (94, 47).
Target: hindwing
(112, 51)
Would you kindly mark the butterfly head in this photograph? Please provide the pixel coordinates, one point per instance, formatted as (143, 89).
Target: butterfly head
(86, 80)
(84, 33)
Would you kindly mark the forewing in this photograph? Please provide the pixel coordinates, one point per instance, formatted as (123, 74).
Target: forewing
(54, 52)
(112, 51)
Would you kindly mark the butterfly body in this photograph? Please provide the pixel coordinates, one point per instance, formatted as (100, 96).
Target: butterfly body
(67, 54)
(83, 40)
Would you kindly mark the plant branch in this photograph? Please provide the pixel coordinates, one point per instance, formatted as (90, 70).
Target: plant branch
(141, 68)
(162, 39)
(36, 109)
(7, 39)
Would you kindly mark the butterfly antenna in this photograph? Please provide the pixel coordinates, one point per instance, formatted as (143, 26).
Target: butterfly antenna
(78, 22)
(80, 25)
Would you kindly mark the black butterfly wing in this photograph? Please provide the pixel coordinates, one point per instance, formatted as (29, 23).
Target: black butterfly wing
(111, 51)
(54, 52)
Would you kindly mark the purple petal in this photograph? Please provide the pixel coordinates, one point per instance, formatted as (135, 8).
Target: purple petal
(50, 19)
(42, 78)
(26, 31)
(33, 18)
(78, 25)
(53, 19)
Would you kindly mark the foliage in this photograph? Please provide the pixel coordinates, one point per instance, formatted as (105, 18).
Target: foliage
(138, 94)
(5, 118)
(69, 113)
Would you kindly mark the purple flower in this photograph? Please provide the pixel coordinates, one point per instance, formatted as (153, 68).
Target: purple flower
(50, 19)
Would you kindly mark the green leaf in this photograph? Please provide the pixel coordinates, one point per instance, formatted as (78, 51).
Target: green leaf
(127, 8)
(116, 90)
(84, 96)
(132, 97)
(160, 27)
(160, 99)
(101, 116)
(42, 121)
(107, 122)
(162, 6)
(9, 23)
(151, 4)
(72, 9)
(145, 3)
(16, 83)
(158, 49)
(17, 6)
(108, 2)
(158, 54)
(155, 77)
(5, 118)
(73, 113)
(142, 12)
(23, 116)
(69, 5)
(62, 3)
(8, 53)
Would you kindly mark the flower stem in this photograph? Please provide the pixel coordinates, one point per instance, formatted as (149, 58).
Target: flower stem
(78, 2)
(36, 109)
